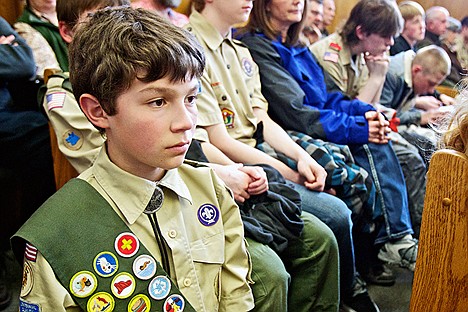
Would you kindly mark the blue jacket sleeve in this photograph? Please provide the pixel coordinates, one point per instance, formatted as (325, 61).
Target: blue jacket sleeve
(16, 60)
(333, 119)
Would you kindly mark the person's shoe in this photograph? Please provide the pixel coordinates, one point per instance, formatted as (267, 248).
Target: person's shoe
(360, 301)
(380, 275)
(402, 252)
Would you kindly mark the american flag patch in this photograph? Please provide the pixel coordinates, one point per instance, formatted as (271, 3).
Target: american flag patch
(330, 56)
(30, 253)
(55, 100)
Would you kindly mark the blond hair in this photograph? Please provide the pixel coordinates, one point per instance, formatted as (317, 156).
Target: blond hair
(455, 127)
(410, 9)
(433, 60)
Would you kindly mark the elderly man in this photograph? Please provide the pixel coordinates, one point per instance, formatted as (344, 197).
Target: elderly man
(312, 30)
(436, 26)
(328, 15)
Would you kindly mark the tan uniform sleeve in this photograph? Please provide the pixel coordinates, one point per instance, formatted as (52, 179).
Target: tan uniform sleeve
(236, 294)
(41, 288)
(334, 69)
(77, 138)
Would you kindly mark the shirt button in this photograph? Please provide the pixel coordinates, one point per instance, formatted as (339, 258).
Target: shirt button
(187, 282)
(224, 98)
(237, 91)
(228, 66)
(172, 233)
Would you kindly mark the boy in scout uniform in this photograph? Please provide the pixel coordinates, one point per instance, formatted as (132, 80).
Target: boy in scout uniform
(356, 61)
(80, 142)
(230, 107)
(139, 229)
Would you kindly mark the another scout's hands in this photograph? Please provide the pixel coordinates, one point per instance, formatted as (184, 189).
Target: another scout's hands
(377, 64)
(243, 181)
(313, 174)
(378, 127)
(258, 179)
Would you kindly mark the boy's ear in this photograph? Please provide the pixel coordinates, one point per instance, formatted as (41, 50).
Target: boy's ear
(360, 33)
(415, 69)
(94, 111)
(66, 32)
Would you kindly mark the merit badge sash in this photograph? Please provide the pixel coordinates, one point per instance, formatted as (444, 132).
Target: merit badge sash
(97, 258)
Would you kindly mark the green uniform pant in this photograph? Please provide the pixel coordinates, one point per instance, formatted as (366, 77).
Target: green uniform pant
(308, 277)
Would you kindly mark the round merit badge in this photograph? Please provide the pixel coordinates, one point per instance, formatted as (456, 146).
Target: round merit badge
(127, 244)
(123, 285)
(72, 139)
(105, 264)
(144, 267)
(208, 214)
(28, 280)
(247, 66)
(160, 287)
(83, 284)
(101, 301)
(139, 303)
(174, 303)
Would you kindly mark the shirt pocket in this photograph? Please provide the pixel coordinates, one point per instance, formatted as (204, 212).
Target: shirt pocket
(209, 249)
(221, 94)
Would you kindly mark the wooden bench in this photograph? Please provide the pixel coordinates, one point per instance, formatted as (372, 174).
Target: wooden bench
(441, 276)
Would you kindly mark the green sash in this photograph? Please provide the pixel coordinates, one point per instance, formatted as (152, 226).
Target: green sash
(74, 230)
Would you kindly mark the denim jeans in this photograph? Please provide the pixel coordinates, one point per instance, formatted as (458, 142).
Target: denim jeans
(337, 216)
(392, 198)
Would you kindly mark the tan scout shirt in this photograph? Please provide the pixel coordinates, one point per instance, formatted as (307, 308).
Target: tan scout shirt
(230, 84)
(209, 263)
(335, 58)
(77, 138)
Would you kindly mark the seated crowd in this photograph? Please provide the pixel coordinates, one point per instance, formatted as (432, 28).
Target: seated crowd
(241, 157)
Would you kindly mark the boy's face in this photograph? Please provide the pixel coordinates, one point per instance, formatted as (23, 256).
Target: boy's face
(153, 127)
(425, 83)
(375, 44)
(415, 28)
(233, 11)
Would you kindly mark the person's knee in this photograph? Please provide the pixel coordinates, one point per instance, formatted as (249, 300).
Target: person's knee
(318, 236)
(271, 280)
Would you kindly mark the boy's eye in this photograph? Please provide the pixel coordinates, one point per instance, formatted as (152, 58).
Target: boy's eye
(157, 103)
(191, 99)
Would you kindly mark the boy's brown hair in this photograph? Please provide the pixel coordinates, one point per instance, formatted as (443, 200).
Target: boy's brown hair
(115, 46)
(69, 11)
(380, 17)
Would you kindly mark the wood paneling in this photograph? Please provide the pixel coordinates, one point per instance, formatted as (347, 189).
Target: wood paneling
(457, 8)
(10, 9)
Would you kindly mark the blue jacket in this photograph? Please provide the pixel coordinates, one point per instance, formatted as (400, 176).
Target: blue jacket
(294, 85)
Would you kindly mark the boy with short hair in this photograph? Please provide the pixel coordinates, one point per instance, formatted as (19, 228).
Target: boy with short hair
(410, 89)
(413, 29)
(144, 229)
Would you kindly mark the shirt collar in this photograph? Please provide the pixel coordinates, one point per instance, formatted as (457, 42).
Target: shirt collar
(210, 35)
(407, 63)
(131, 194)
